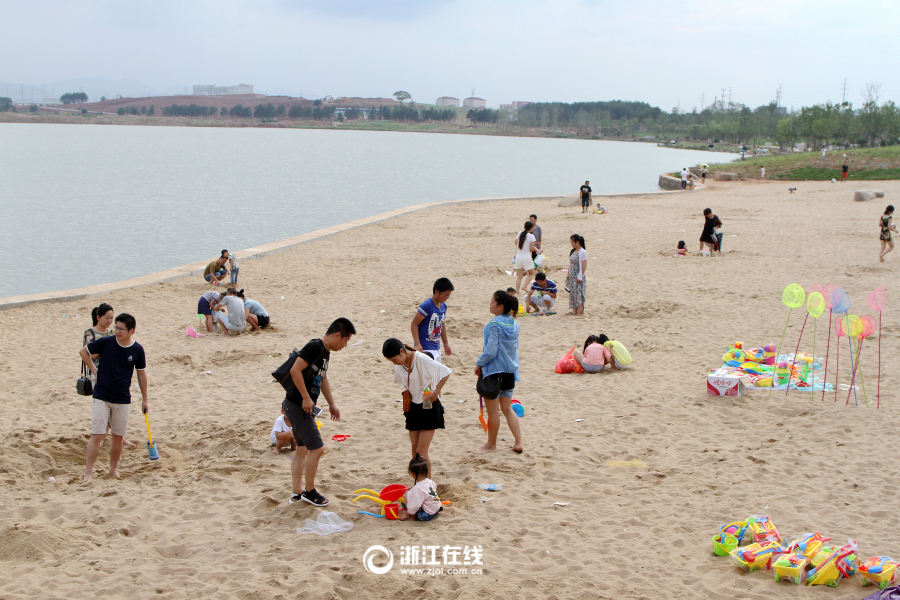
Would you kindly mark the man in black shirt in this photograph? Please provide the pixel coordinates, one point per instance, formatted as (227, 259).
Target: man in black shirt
(585, 197)
(309, 375)
(709, 235)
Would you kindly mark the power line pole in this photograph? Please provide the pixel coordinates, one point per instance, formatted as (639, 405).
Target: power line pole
(723, 98)
(844, 91)
(701, 101)
(778, 96)
(729, 97)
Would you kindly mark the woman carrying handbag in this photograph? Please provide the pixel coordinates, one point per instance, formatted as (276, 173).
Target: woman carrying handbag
(422, 379)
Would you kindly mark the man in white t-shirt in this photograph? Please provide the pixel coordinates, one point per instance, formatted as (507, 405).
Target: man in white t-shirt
(684, 177)
(762, 172)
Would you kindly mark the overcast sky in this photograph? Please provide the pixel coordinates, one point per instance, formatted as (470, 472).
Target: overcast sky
(658, 51)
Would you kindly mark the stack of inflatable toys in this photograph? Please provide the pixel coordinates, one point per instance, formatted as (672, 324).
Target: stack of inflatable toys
(757, 366)
(807, 559)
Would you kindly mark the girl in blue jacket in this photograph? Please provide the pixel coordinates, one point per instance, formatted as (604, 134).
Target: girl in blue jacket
(500, 361)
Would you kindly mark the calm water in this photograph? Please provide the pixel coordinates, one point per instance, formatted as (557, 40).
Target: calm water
(83, 205)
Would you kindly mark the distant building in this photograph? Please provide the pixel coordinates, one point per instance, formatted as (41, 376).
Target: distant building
(447, 101)
(506, 107)
(473, 102)
(517, 104)
(222, 90)
(781, 110)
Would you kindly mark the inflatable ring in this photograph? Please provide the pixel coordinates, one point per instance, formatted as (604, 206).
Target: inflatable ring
(619, 352)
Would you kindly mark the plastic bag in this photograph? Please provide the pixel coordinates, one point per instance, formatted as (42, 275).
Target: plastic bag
(891, 593)
(568, 364)
(326, 524)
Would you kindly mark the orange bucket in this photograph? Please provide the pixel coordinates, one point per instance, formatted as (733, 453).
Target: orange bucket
(392, 511)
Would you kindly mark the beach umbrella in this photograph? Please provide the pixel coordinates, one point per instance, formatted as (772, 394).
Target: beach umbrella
(876, 301)
(792, 296)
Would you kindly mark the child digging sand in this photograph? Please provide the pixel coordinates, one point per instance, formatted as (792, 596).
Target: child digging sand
(595, 355)
(282, 434)
(422, 502)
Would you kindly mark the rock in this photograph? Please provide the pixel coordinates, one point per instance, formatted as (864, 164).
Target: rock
(878, 193)
(571, 200)
(727, 177)
(667, 182)
(863, 195)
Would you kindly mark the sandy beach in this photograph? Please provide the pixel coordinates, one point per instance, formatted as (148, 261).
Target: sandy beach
(211, 517)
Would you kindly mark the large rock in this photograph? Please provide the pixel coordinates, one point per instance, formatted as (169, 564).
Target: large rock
(667, 182)
(571, 200)
(727, 177)
(863, 195)
(878, 193)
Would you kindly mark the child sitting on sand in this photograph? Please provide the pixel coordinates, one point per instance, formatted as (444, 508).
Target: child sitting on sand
(595, 355)
(282, 434)
(422, 502)
(682, 248)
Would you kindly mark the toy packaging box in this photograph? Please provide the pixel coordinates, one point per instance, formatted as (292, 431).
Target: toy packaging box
(725, 385)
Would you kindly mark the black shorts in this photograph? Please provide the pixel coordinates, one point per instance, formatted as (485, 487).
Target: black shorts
(507, 381)
(263, 320)
(306, 433)
(585, 202)
(419, 419)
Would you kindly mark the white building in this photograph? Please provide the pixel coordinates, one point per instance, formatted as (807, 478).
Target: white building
(222, 90)
(517, 104)
(473, 102)
(447, 101)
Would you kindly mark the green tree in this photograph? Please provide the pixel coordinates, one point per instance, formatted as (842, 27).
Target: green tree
(151, 111)
(121, 110)
(5, 103)
(785, 132)
(33, 108)
(143, 110)
(340, 117)
(102, 98)
(73, 98)
(401, 96)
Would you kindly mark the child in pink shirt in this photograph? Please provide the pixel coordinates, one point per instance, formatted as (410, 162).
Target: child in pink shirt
(422, 502)
(595, 355)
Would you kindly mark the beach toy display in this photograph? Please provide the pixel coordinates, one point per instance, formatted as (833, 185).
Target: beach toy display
(838, 564)
(791, 567)
(879, 570)
(756, 556)
(808, 544)
(762, 529)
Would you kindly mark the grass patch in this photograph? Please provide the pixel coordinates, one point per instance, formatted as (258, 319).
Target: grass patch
(865, 164)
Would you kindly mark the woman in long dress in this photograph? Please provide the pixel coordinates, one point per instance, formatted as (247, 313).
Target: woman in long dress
(576, 280)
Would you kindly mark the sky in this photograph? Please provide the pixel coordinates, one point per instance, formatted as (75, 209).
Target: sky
(669, 54)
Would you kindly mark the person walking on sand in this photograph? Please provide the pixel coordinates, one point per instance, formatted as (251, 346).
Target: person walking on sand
(586, 196)
(684, 177)
(119, 357)
(762, 172)
(309, 374)
(709, 236)
(537, 233)
(422, 379)
(886, 224)
(576, 279)
(102, 318)
(845, 169)
(427, 325)
(499, 360)
(523, 263)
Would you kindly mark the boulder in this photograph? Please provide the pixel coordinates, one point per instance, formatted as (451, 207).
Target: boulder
(863, 195)
(571, 200)
(667, 182)
(878, 193)
(727, 177)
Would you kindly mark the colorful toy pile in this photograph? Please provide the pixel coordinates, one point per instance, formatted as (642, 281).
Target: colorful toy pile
(764, 367)
(807, 559)
(757, 367)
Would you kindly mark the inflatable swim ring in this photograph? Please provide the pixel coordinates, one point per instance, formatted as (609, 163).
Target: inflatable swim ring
(619, 352)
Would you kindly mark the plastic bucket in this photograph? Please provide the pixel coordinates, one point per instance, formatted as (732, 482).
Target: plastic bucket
(724, 543)
(392, 511)
(539, 260)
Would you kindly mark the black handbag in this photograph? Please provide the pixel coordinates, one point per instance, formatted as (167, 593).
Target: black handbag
(84, 385)
(283, 374)
(488, 387)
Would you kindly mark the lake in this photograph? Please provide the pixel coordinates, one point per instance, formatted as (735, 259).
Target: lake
(89, 204)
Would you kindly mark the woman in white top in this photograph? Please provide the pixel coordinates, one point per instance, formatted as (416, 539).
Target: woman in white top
(526, 243)
(417, 372)
(576, 280)
(236, 319)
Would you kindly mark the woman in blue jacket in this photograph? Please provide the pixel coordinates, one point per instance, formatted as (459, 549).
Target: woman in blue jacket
(500, 361)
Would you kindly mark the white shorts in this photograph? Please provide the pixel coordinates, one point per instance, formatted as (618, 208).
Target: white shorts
(523, 261)
(546, 298)
(106, 413)
(435, 354)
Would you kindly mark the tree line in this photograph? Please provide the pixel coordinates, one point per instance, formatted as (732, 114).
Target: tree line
(133, 110)
(74, 98)
(874, 123)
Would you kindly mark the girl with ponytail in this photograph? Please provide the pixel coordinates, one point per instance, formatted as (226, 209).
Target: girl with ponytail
(526, 243)
(422, 502)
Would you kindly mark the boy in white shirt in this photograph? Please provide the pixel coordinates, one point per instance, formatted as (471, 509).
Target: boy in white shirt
(282, 434)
